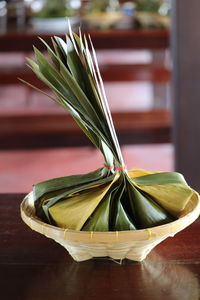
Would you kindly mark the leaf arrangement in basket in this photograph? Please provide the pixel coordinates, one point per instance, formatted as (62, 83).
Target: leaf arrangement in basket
(110, 198)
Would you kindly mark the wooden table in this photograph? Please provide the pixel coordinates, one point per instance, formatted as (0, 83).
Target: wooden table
(36, 268)
(59, 129)
(110, 39)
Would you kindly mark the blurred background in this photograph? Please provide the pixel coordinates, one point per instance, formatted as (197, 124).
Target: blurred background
(38, 140)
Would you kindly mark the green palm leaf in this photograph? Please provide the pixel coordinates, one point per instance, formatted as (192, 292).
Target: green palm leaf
(109, 198)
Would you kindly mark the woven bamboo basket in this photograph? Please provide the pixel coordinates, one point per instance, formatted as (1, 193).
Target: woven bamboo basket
(133, 245)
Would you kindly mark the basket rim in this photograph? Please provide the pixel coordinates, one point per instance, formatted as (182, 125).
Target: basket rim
(29, 217)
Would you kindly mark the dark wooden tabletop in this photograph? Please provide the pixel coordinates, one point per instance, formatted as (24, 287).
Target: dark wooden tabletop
(110, 39)
(33, 267)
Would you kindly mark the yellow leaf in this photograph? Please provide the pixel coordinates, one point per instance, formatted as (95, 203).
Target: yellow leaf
(173, 197)
(73, 212)
(133, 173)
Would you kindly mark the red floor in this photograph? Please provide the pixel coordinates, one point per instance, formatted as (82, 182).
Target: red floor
(19, 170)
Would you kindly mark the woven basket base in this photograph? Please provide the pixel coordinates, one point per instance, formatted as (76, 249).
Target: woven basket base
(133, 245)
(136, 251)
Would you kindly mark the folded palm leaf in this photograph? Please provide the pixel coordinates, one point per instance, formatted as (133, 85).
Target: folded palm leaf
(110, 198)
